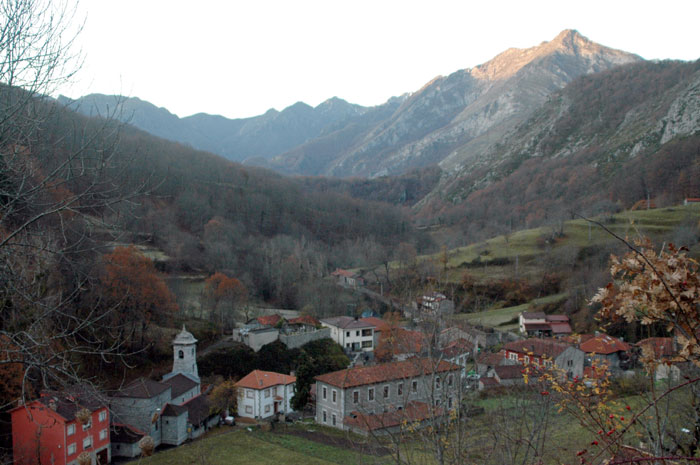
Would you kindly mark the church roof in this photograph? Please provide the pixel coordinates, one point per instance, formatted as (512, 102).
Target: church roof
(185, 337)
(180, 384)
(142, 388)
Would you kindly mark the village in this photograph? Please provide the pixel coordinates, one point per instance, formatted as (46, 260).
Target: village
(414, 369)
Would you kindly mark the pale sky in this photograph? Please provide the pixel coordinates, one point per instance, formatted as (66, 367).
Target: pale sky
(239, 59)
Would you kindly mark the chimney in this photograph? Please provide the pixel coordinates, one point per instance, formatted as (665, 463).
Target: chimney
(52, 404)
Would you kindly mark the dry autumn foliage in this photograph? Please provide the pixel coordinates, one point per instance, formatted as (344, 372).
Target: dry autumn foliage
(656, 288)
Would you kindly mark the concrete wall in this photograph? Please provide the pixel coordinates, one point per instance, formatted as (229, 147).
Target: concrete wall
(125, 450)
(262, 401)
(295, 340)
(571, 361)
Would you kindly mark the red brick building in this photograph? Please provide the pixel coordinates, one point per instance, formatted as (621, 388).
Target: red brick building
(48, 429)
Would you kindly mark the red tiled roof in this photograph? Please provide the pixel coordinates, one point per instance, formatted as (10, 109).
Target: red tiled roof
(270, 320)
(604, 345)
(577, 338)
(662, 346)
(360, 376)
(304, 320)
(538, 347)
(258, 379)
(414, 411)
(491, 358)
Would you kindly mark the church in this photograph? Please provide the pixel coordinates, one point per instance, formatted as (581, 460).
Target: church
(170, 411)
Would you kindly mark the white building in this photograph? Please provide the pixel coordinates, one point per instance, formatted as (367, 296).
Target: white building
(262, 394)
(352, 334)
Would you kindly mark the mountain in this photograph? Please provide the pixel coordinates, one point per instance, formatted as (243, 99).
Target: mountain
(259, 137)
(453, 118)
(606, 140)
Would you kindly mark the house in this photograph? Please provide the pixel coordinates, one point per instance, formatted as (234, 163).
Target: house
(536, 324)
(488, 383)
(352, 334)
(433, 306)
(58, 427)
(661, 350)
(546, 353)
(508, 375)
(486, 361)
(609, 350)
(691, 200)
(460, 352)
(264, 394)
(348, 278)
(401, 344)
(170, 411)
(359, 398)
(292, 332)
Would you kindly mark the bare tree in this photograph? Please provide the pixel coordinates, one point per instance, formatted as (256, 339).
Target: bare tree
(61, 181)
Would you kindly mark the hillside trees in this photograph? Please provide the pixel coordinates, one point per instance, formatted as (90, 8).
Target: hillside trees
(61, 180)
(226, 295)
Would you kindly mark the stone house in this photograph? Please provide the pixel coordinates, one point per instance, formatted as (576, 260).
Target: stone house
(171, 411)
(608, 350)
(348, 278)
(369, 393)
(265, 394)
(547, 353)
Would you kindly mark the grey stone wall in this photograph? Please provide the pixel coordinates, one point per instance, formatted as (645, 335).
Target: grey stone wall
(139, 412)
(571, 361)
(175, 429)
(295, 340)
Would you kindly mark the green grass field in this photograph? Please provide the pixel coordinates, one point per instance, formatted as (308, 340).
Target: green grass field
(500, 317)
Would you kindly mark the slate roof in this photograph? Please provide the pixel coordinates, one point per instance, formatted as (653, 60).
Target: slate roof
(538, 347)
(557, 318)
(172, 410)
(560, 328)
(74, 399)
(258, 379)
(534, 315)
(509, 371)
(604, 345)
(125, 434)
(457, 347)
(346, 322)
(490, 358)
(198, 409)
(489, 382)
(414, 411)
(378, 323)
(142, 388)
(360, 376)
(179, 384)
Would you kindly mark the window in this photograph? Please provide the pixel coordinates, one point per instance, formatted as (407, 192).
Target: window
(366, 344)
(357, 333)
(180, 354)
(370, 394)
(333, 419)
(71, 449)
(71, 430)
(347, 333)
(324, 417)
(103, 415)
(386, 392)
(248, 409)
(437, 382)
(449, 380)
(449, 402)
(399, 389)
(103, 435)
(335, 396)
(87, 442)
(87, 425)
(267, 393)
(414, 386)
(325, 393)
(569, 363)
(192, 350)
(437, 402)
(526, 359)
(249, 393)
(355, 397)
(267, 409)
(512, 356)
(366, 332)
